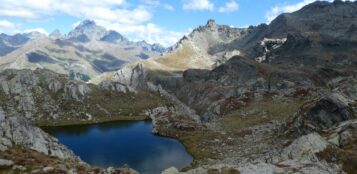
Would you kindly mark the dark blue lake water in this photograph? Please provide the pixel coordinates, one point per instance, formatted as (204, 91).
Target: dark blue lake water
(119, 143)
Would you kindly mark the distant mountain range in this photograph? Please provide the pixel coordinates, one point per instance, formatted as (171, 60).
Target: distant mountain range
(86, 51)
(90, 51)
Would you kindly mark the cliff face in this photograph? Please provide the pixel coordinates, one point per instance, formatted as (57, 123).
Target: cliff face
(315, 33)
(18, 131)
(45, 96)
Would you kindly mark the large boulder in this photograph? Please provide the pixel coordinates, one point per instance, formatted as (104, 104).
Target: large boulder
(305, 147)
(343, 148)
(5, 163)
(330, 110)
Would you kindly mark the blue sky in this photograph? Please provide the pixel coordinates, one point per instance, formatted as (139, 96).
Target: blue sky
(163, 21)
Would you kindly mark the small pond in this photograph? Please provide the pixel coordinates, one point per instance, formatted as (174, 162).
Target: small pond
(125, 142)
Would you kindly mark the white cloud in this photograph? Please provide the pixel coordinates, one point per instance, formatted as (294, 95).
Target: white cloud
(104, 9)
(74, 25)
(168, 7)
(197, 5)
(152, 2)
(8, 27)
(40, 30)
(149, 32)
(136, 15)
(110, 10)
(6, 24)
(133, 21)
(288, 8)
(157, 3)
(230, 6)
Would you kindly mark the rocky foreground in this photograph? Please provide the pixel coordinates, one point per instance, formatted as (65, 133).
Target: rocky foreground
(291, 131)
(277, 98)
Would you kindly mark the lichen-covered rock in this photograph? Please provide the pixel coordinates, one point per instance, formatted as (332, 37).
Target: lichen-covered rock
(5, 163)
(116, 86)
(47, 169)
(19, 168)
(75, 90)
(207, 169)
(263, 168)
(54, 85)
(19, 131)
(47, 97)
(2, 115)
(328, 111)
(305, 147)
(168, 121)
(171, 170)
(123, 170)
(343, 148)
(131, 75)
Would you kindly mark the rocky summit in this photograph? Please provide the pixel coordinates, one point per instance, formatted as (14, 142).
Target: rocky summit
(273, 98)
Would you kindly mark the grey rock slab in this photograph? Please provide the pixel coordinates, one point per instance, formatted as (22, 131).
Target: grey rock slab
(6, 163)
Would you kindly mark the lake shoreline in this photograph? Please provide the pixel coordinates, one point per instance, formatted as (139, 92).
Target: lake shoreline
(59, 123)
(132, 139)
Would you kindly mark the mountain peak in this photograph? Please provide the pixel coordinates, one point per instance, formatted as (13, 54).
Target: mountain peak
(211, 22)
(87, 30)
(113, 37)
(56, 34)
(35, 35)
(318, 5)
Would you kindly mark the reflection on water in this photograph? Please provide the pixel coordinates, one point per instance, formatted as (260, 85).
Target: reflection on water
(119, 143)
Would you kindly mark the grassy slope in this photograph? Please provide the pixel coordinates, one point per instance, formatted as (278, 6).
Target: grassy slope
(202, 146)
(104, 107)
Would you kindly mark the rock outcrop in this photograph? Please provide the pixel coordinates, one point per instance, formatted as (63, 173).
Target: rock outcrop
(45, 96)
(305, 147)
(299, 157)
(17, 131)
(325, 113)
